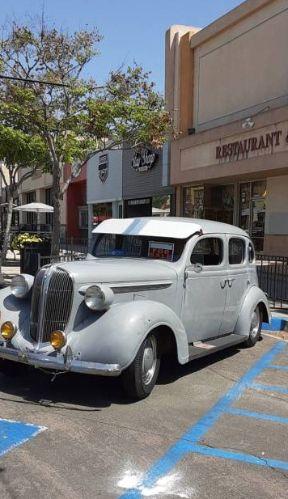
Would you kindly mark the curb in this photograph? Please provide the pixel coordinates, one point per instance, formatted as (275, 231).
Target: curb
(276, 324)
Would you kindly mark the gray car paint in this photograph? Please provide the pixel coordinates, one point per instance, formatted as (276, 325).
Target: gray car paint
(148, 293)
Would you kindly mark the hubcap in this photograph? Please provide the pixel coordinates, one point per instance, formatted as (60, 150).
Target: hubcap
(149, 360)
(255, 323)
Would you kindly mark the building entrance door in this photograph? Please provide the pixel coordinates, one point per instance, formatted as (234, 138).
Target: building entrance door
(252, 205)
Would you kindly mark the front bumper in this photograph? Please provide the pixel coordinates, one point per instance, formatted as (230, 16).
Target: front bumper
(59, 363)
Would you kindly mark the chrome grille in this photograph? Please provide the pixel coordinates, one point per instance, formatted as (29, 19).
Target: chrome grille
(35, 303)
(56, 303)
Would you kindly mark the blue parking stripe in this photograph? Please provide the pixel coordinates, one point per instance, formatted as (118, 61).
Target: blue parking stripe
(189, 442)
(237, 411)
(269, 388)
(275, 366)
(239, 456)
(14, 433)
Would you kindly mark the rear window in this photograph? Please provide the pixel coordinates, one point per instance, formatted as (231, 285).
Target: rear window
(208, 251)
(236, 251)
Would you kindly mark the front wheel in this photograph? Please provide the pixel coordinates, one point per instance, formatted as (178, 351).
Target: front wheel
(140, 377)
(255, 328)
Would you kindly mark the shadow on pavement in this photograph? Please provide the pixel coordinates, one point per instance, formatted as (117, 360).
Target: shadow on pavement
(88, 393)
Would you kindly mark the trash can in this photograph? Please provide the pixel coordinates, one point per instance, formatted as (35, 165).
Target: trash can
(31, 255)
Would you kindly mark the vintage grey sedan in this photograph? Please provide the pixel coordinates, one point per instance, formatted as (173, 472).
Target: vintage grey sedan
(151, 287)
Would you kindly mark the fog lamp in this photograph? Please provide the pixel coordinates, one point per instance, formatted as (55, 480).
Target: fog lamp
(8, 330)
(57, 339)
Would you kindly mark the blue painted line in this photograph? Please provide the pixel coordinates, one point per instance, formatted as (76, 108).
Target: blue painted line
(275, 366)
(269, 388)
(188, 442)
(14, 433)
(276, 324)
(237, 411)
(239, 456)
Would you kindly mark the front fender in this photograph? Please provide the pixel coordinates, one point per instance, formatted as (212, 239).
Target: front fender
(115, 336)
(254, 297)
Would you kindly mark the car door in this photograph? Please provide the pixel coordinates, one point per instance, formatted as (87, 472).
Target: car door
(238, 281)
(205, 289)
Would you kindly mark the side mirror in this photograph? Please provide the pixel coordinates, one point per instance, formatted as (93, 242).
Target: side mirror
(197, 267)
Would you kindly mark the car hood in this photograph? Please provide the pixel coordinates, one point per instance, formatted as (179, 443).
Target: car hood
(126, 270)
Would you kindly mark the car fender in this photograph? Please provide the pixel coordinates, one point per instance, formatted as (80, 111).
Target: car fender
(115, 336)
(254, 297)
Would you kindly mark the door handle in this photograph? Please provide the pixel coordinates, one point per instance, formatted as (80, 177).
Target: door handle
(223, 283)
(230, 282)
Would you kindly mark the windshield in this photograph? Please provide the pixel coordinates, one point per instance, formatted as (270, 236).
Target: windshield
(122, 246)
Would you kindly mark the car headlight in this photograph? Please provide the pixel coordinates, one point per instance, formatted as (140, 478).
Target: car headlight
(21, 285)
(98, 297)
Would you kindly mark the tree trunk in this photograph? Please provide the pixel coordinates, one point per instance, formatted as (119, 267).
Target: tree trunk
(56, 196)
(7, 228)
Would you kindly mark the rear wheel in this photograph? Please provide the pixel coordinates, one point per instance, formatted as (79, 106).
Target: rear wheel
(140, 377)
(255, 328)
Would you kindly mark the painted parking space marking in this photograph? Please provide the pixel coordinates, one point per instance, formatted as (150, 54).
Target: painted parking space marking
(190, 442)
(15, 433)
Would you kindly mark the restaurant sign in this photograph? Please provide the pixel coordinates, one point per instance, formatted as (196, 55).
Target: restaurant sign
(241, 149)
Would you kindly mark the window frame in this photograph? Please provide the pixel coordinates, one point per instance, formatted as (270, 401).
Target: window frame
(245, 253)
(220, 237)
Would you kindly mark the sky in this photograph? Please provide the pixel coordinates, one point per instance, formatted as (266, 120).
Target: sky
(132, 31)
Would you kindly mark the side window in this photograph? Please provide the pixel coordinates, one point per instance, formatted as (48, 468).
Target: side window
(236, 251)
(208, 251)
(251, 253)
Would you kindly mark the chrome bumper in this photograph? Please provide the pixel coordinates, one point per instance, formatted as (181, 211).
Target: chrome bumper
(58, 363)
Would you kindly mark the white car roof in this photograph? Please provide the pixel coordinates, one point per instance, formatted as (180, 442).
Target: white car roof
(174, 227)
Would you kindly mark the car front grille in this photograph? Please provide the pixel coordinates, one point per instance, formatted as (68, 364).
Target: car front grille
(51, 303)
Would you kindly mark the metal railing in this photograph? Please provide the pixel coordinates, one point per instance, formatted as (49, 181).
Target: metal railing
(273, 279)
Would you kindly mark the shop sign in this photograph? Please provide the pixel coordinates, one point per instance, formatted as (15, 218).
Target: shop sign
(103, 167)
(242, 148)
(135, 202)
(144, 160)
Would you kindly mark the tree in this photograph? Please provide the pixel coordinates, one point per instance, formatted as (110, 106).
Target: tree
(74, 117)
(22, 154)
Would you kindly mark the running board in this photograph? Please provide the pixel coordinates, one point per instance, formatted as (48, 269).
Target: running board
(199, 348)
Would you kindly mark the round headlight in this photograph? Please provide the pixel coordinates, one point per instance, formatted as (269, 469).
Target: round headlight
(21, 285)
(8, 330)
(98, 297)
(57, 339)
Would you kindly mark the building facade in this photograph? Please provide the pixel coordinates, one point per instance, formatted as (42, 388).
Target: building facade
(38, 188)
(76, 205)
(128, 183)
(226, 88)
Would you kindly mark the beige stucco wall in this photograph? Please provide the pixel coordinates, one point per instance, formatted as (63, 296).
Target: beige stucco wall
(247, 64)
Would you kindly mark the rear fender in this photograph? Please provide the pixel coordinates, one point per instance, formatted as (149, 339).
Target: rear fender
(254, 297)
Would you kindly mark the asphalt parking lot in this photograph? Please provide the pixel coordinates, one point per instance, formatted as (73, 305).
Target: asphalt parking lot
(217, 427)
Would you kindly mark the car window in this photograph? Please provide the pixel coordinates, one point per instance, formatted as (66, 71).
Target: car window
(208, 251)
(127, 246)
(251, 252)
(236, 251)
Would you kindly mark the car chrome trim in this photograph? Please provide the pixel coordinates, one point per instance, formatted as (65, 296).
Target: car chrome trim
(59, 363)
(133, 288)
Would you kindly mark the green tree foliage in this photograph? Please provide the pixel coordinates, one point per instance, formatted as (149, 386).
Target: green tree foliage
(74, 117)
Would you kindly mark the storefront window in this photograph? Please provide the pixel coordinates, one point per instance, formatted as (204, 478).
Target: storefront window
(161, 206)
(252, 211)
(214, 202)
(193, 202)
(101, 212)
(219, 203)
